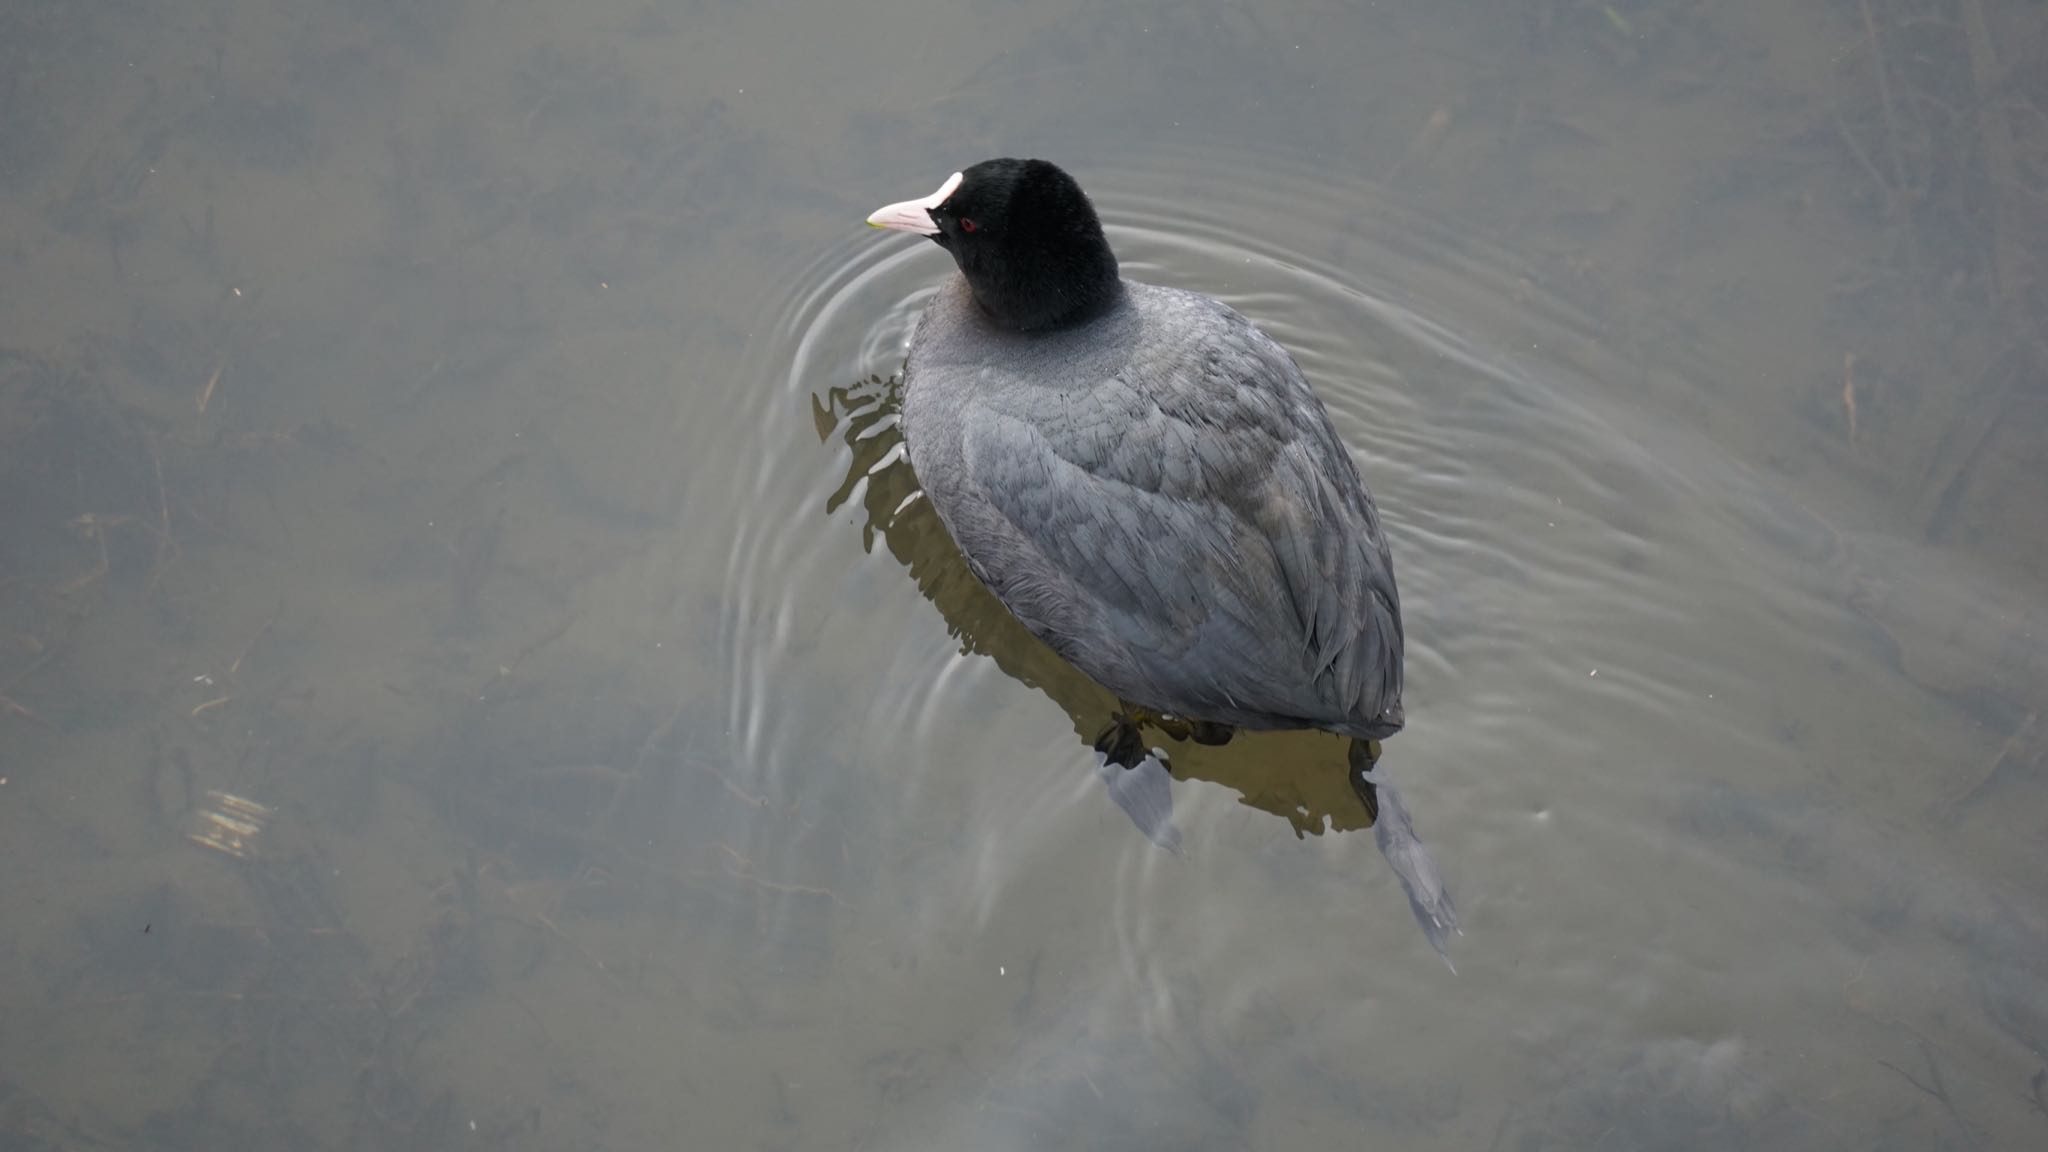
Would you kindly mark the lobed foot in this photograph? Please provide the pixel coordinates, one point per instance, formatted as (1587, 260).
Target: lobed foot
(1138, 781)
(1180, 728)
(1392, 829)
(1122, 743)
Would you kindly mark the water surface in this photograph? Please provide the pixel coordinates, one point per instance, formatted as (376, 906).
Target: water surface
(468, 437)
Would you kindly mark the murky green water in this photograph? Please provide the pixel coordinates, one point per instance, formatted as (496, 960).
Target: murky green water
(473, 672)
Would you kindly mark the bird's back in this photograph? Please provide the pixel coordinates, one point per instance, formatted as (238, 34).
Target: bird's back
(1158, 495)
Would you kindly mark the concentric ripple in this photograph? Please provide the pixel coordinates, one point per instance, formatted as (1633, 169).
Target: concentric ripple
(1601, 607)
(1453, 437)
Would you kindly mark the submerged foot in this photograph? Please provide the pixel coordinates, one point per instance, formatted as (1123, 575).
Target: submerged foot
(1178, 727)
(1122, 743)
(1394, 832)
(1138, 781)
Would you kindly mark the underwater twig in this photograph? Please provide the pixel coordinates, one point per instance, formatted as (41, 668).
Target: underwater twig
(1884, 98)
(2009, 277)
(209, 706)
(1855, 147)
(1424, 141)
(8, 705)
(586, 953)
(1938, 1089)
(2021, 739)
(1995, 137)
(163, 505)
(95, 529)
(743, 869)
(206, 392)
(251, 645)
(465, 884)
(1849, 391)
(738, 793)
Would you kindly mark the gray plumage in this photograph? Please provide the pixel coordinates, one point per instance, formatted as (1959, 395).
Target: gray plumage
(1147, 482)
(1157, 494)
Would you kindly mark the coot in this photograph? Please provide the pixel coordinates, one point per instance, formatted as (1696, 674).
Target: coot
(1146, 480)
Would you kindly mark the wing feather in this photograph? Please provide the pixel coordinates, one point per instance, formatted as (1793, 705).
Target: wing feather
(1203, 517)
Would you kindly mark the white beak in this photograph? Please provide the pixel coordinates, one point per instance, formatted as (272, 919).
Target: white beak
(915, 215)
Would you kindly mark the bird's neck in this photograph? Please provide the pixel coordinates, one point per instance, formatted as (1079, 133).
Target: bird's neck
(1040, 291)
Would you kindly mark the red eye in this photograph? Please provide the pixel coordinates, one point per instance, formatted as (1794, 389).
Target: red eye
(967, 225)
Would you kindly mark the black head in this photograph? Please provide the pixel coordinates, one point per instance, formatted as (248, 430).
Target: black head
(1026, 238)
